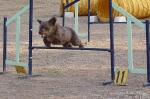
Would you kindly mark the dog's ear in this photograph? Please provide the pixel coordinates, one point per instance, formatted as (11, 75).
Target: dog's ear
(52, 21)
(39, 21)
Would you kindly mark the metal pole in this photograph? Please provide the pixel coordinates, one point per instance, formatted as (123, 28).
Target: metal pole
(63, 15)
(65, 7)
(148, 50)
(30, 36)
(88, 20)
(4, 44)
(111, 40)
(148, 53)
(76, 17)
(67, 2)
(111, 44)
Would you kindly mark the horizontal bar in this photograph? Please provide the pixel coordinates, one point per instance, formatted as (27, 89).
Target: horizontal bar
(17, 14)
(138, 71)
(113, 22)
(67, 48)
(135, 70)
(16, 63)
(82, 34)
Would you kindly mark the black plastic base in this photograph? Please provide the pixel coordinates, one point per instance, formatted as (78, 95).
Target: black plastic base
(106, 83)
(27, 76)
(145, 85)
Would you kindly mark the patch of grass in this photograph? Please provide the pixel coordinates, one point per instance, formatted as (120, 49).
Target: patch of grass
(67, 54)
(54, 56)
(54, 72)
(12, 85)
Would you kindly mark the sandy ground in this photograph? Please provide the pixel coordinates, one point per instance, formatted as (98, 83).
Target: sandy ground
(69, 74)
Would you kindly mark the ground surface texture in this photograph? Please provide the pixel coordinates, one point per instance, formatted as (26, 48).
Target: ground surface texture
(68, 74)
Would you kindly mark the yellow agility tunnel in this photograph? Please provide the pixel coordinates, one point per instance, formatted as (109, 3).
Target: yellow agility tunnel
(137, 8)
(82, 6)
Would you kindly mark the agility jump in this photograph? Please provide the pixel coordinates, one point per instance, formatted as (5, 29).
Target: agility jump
(111, 49)
(30, 48)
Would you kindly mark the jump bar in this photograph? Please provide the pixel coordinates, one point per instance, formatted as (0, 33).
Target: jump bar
(67, 48)
(113, 22)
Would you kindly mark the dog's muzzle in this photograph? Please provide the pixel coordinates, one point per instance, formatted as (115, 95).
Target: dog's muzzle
(42, 36)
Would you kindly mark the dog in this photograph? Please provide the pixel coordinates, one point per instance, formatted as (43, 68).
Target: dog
(53, 33)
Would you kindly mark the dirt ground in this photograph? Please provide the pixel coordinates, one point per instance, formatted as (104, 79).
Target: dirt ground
(68, 74)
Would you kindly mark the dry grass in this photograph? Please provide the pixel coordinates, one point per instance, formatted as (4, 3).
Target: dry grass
(70, 74)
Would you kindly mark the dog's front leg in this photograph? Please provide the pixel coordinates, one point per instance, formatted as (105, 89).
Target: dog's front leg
(46, 42)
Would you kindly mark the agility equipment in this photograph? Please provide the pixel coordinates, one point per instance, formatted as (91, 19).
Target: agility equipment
(111, 49)
(130, 19)
(120, 19)
(82, 6)
(69, 15)
(76, 16)
(137, 8)
(20, 70)
(30, 47)
(6, 23)
(121, 77)
(94, 19)
(20, 66)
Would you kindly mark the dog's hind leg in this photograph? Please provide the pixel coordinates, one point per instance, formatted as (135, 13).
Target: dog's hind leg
(77, 43)
(68, 44)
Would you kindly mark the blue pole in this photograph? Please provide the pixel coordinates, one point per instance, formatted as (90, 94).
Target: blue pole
(63, 15)
(111, 44)
(4, 44)
(148, 53)
(111, 39)
(67, 2)
(65, 7)
(30, 36)
(148, 50)
(89, 20)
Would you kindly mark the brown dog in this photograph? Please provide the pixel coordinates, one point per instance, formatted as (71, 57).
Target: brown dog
(53, 33)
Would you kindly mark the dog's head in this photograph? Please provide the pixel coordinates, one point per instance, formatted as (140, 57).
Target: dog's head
(46, 28)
